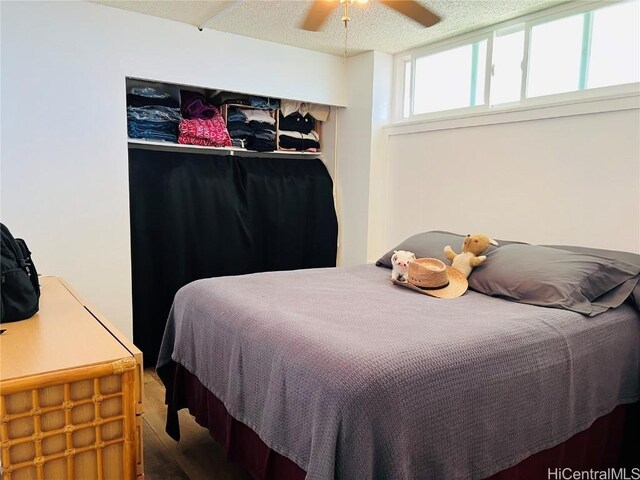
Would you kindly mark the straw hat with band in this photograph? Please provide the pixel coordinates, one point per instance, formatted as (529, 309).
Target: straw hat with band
(432, 277)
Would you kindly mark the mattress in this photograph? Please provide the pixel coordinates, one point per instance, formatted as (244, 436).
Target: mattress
(352, 377)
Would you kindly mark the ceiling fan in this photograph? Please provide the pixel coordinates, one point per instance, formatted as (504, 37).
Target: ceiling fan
(321, 9)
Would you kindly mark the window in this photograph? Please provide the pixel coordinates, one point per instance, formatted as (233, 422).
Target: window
(507, 67)
(615, 46)
(450, 79)
(556, 54)
(554, 57)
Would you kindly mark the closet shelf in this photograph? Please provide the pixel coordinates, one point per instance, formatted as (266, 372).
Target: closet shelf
(177, 147)
(161, 108)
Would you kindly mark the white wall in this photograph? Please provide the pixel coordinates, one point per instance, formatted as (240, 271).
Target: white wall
(378, 181)
(354, 159)
(569, 180)
(361, 153)
(64, 152)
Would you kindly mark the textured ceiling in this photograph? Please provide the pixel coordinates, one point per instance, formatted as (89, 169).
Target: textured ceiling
(373, 26)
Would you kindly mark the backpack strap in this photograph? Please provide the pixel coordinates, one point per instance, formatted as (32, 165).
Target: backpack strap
(27, 264)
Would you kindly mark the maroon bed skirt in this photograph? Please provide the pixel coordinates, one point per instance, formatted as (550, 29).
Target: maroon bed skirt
(612, 441)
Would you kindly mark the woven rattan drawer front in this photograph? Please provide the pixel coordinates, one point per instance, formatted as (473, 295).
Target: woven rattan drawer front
(70, 389)
(76, 424)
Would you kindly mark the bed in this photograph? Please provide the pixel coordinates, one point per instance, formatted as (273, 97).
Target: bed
(337, 373)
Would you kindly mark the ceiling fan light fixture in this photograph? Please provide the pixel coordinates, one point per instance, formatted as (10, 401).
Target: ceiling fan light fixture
(320, 10)
(345, 15)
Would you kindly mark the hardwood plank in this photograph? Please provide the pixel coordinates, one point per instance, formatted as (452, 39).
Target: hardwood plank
(152, 373)
(197, 455)
(158, 461)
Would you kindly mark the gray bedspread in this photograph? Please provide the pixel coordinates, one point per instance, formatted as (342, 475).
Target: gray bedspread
(352, 377)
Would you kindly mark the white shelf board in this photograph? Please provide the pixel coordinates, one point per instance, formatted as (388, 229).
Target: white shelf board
(178, 147)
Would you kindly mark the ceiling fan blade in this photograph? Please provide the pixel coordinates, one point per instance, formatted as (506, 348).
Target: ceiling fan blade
(317, 14)
(413, 10)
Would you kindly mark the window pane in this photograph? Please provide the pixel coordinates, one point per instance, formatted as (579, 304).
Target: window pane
(615, 46)
(447, 80)
(507, 56)
(554, 57)
(406, 104)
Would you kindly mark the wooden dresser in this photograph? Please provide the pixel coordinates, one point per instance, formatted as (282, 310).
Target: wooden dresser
(70, 394)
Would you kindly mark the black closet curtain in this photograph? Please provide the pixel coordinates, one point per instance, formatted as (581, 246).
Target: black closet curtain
(200, 215)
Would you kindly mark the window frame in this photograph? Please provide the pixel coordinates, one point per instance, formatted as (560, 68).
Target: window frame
(401, 61)
(525, 23)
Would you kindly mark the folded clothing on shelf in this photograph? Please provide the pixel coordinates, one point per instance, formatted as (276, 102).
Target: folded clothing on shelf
(252, 129)
(230, 98)
(203, 142)
(235, 115)
(148, 92)
(319, 112)
(239, 130)
(263, 138)
(204, 131)
(296, 122)
(264, 103)
(154, 113)
(257, 126)
(262, 142)
(194, 105)
(152, 130)
(282, 149)
(159, 99)
(258, 116)
(153, 122)
(299, 141)
(239, 142)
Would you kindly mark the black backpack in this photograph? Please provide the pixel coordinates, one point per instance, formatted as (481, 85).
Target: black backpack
(20, 287)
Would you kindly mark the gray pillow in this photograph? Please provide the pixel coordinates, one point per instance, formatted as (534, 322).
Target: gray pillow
(431, 245)
(551, 277)
(632, 258)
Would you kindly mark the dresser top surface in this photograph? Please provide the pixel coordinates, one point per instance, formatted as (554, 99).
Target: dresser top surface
(62, 335)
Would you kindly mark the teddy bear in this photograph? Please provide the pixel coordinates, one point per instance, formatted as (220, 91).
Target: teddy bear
(400, 262)
(472, 249)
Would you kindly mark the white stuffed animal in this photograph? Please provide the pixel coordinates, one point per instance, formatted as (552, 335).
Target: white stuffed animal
(400, 262)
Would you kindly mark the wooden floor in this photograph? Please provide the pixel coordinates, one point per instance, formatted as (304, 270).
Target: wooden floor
(196, 457)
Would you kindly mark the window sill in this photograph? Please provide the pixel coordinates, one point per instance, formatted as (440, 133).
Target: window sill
(541, 109)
